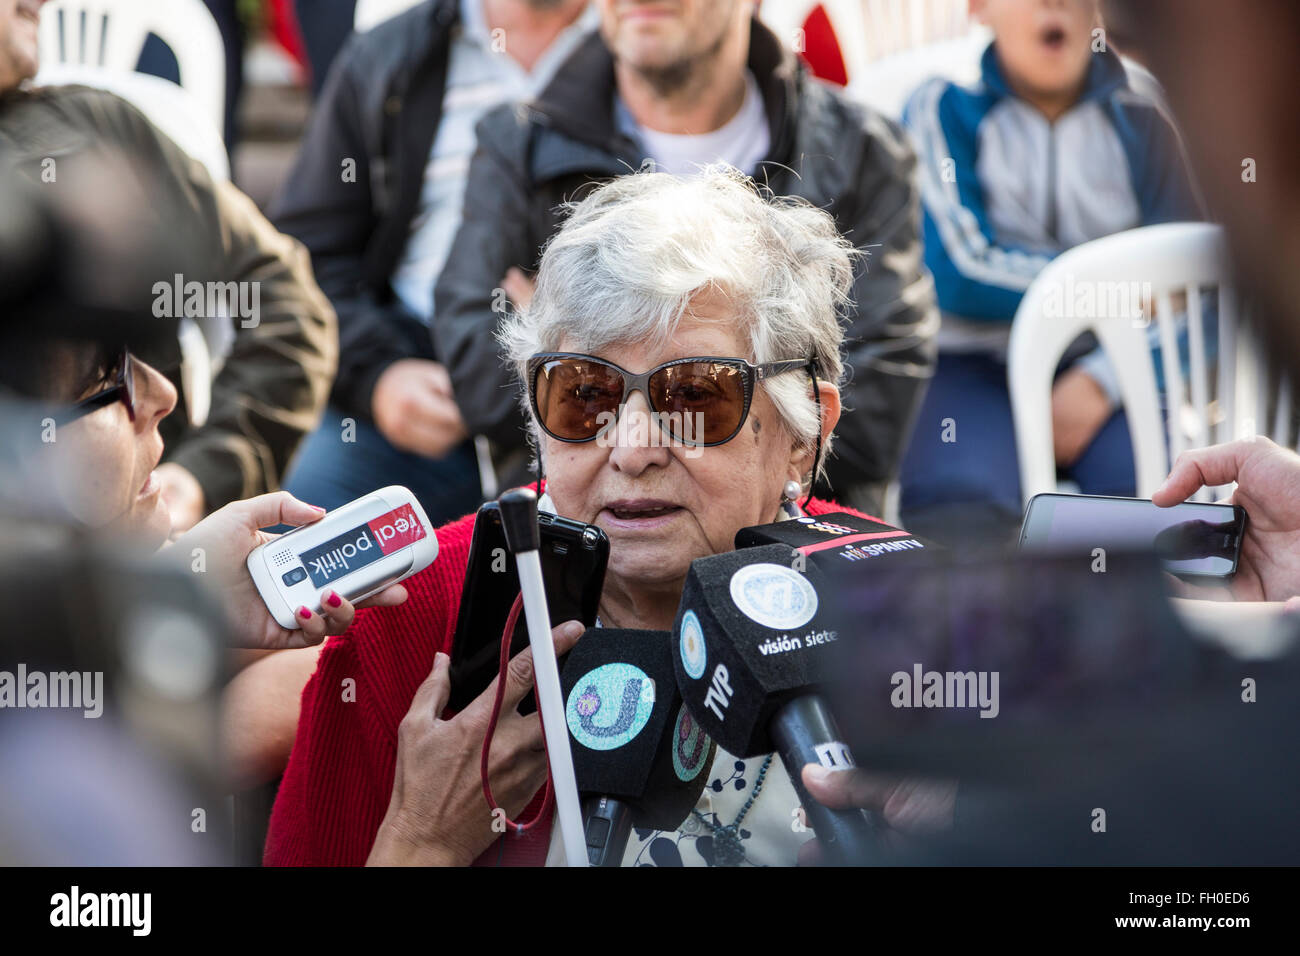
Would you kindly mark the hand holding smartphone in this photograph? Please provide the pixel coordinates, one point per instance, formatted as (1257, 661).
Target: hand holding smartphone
(573, 557)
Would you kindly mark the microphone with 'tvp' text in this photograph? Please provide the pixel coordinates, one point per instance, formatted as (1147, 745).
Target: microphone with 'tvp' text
(754, 644)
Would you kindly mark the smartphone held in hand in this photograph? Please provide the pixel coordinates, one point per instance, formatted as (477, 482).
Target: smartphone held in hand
(574, 556)
(1192, 539)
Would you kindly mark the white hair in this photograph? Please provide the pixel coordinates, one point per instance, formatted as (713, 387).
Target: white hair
(632, 255)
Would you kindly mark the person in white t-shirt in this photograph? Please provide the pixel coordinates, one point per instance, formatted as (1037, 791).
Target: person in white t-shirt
(676, 88)
(375, 195)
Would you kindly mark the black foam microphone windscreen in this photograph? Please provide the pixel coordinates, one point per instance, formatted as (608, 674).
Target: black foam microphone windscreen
(835, 539)
(754, 647)
(749, 637)
(632, 738)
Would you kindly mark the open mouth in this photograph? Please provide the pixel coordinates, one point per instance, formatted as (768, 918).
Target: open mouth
(1053, 38)
(641, 510)
(151, 481)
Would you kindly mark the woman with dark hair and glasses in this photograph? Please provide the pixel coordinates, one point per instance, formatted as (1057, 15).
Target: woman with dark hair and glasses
(87, 416)
(95, 411)
(680, 363)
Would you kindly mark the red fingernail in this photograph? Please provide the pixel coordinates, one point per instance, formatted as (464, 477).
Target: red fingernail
(334, 600)
(304, 613)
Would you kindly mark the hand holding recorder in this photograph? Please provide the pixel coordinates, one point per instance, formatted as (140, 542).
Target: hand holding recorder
(221, 544)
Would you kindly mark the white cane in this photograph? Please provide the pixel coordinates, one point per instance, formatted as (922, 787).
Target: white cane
(519, 521)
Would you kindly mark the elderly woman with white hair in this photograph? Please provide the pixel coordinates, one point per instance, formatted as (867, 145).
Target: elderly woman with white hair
(664, 306)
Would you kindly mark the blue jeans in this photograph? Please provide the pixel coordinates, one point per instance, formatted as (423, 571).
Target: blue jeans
(329, 472)
(971, 486)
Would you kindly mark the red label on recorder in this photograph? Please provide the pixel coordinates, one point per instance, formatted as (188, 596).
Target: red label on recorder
(396, 529)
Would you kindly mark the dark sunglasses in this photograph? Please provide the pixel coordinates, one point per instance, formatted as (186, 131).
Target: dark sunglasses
(698, 401)
(122, 389)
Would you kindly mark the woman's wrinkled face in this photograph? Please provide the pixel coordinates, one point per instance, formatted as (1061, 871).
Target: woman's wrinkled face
(104, 462)
(661, 503)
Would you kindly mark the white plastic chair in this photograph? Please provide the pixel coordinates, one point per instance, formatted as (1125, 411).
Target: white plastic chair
(786, 19)
(109, 34)
(896, 25)
(885, 84)
(868, 30)
(169, 107)
(369, 13)
(1163, 260)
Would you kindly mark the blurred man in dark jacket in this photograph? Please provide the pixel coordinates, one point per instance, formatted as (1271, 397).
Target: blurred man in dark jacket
(698, 83)
(272, 386)
(375, 195)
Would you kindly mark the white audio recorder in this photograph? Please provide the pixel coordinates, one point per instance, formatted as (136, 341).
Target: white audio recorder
(357, 550)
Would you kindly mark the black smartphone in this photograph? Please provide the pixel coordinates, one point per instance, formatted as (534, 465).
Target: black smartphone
(573, 558)
(1191, 539)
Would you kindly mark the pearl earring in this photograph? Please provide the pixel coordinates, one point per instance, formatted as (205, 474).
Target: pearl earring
(792, 490)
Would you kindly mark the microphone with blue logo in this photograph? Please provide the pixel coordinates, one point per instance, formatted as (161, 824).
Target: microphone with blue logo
(640, 757)
(755, 646)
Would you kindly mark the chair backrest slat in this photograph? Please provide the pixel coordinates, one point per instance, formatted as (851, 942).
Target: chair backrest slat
(1172, 366)
(1162, 261)
(1198, 373)
(110, 35)
(1282, 414)
(1227, 366)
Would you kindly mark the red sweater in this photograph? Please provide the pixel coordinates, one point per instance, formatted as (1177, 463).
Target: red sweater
(336, 788)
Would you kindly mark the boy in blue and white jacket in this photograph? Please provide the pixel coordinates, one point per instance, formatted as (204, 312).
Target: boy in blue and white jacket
(1051, 149)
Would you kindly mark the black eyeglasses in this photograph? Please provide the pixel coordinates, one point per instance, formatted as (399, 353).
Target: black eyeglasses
(123, 390)
(698, 401)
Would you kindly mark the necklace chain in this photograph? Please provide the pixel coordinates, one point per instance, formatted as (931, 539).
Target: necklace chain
(728, 849)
